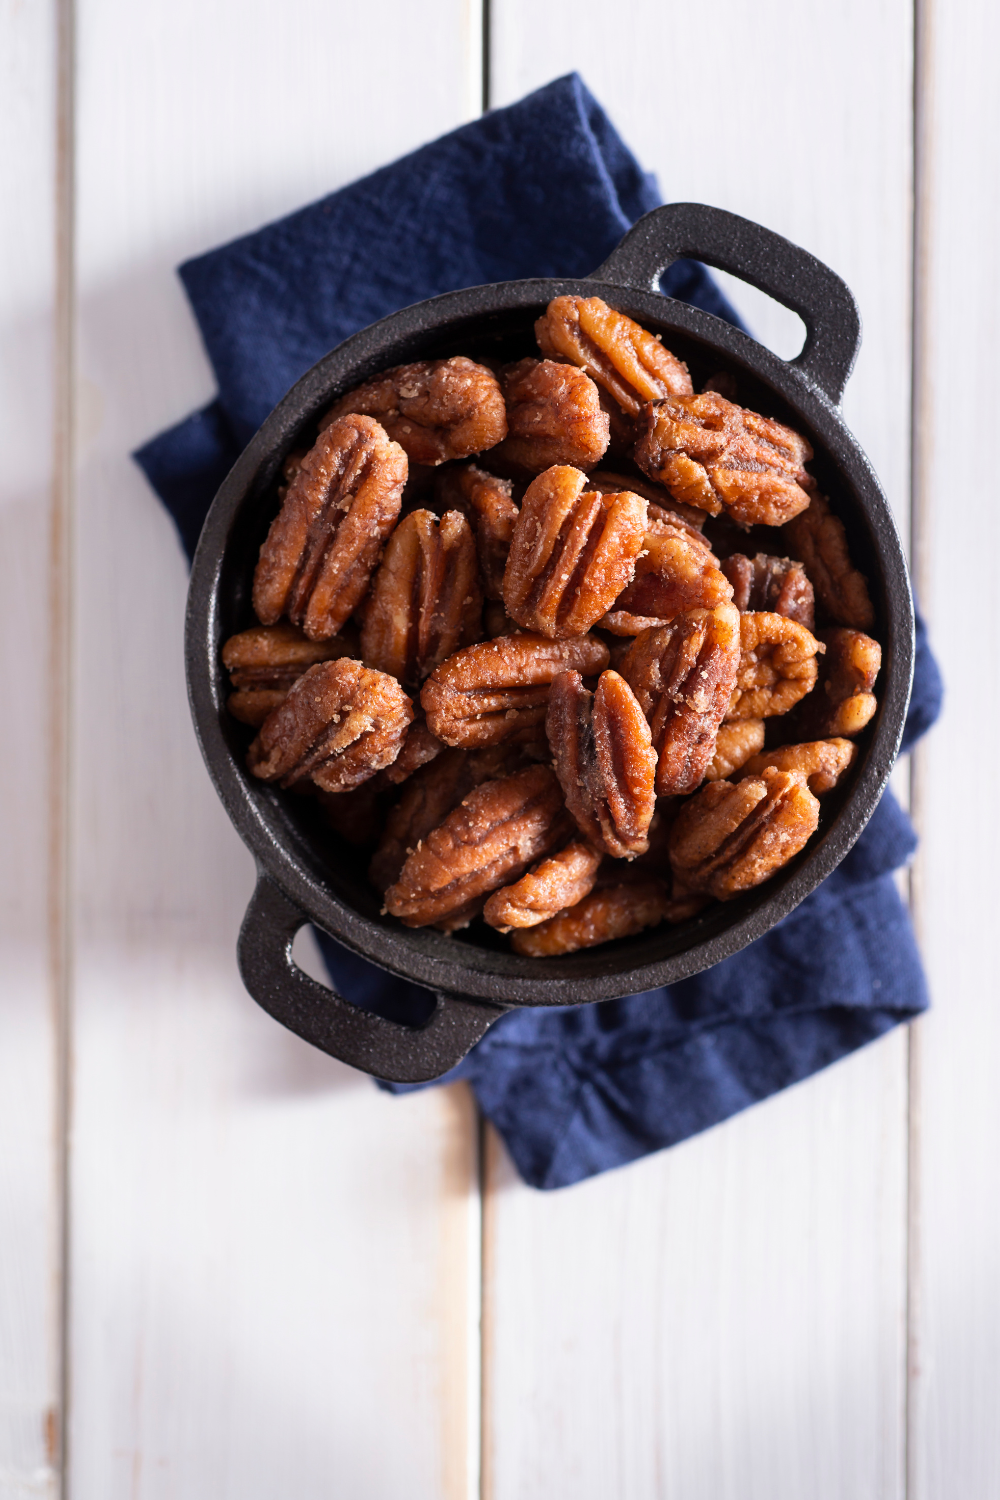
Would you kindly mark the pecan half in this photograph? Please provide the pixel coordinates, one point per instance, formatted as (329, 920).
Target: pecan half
(614, 911)
(340, 723)
(425, 601)
(715, 455)
(265, 660)
(776, 584)
(572, 553)
(673, 573)
(489, 840)
(661, 506)
(777, 666)
(729, 838)
(819, 763)
(818, 539)
(734, 745)
(436, 409)
(843, 702)
(498, 690)
(557, 883)
(683, 675)
(554, 416)
(629, 363)
(324, 542)
(604, 758)
(486, 503)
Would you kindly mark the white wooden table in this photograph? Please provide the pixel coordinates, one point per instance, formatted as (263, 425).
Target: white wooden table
(230, 1269)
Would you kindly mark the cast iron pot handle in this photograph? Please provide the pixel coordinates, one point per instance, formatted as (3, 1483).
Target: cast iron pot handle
(766, 260)
(386, 1049)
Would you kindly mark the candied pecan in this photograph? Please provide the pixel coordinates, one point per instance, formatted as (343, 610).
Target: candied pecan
(340, 723)
(554, 416)
(777, 666)
(819, 763)
(630, 364)
(487, 841)
(572, 553)
(673, 573)
(613, 911)
(661, 506)
(324, 542)
(498, 690)
(557, 883)
(425, 601)
(435, 409)
(777, 584)
(729, 838)
(419, 748)
(265, 660)
(603, 756)
(486, 503)
(683, 676)
(734, 745)
(715, 455)
(843, 701)
(818, 539)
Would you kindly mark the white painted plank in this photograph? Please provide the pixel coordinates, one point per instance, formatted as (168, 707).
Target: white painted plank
(956, 1353)
(29, 1170)
(270, 1258)
(726, 1320)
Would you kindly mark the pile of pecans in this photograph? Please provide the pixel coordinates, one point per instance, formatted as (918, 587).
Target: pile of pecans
(574, 701)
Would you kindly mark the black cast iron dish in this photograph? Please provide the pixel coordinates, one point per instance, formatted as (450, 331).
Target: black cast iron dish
(305, 873)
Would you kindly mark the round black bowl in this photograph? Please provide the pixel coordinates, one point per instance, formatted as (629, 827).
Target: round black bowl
(307, 874)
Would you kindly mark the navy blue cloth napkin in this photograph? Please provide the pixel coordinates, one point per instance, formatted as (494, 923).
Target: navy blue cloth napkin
(547, 188)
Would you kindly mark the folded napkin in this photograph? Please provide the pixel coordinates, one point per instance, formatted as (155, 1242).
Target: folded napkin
(547, 188)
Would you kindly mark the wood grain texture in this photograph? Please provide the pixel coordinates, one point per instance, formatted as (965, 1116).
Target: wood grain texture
(29, 1117)
(955, 1404)
(270, 1258)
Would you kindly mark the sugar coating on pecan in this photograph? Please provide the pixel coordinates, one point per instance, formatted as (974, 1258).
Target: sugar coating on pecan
(436, 409)
(486, 503)
(426, 601)
(265, 660)
(489, 840)
(777, 584)
(553, 885)
(629, 363)
(729, 838)
(571, 554)
(715, 455)
(734, 745)
(613, 911)
(683, 676)
(673, 573)
(498, 690)
(819, 763)
(818, 539)
(554, 416)
(340, 723)
(325, 541)
(843, 702)
(603, 756)
(660, 504)
(777, 666)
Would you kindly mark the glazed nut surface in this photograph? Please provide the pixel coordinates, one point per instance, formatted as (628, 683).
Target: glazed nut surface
(673, 573)
(486, 503)
(729, 838)
(715, 455)
(554, 416)
(426, 601)
(325, 541)
(603, 756)
(613, 911)
(734, 745)
(817, 537)
(264, 661)
(553, 885)
(683, 675)
(571, 554)
(843, 702)
(777, 666)
(819, 763)
(776, 584)
(489, 840)
(340, 723)
(498, 690)
(436, 409)
(622, 357)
